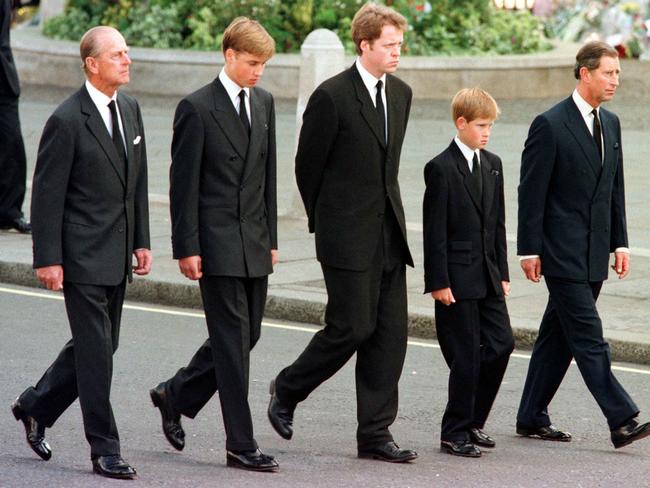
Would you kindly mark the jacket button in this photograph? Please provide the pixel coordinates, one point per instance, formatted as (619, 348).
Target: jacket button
(120, 229)
(243, 220)
(233, 158)
(241, 188)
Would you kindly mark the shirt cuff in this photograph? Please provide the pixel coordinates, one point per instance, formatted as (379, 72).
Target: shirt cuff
(528, 256)
(626, 250)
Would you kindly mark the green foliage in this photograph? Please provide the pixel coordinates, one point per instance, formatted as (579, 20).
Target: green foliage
(435, 26)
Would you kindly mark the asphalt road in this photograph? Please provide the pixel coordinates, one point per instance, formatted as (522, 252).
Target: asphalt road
(156, 341)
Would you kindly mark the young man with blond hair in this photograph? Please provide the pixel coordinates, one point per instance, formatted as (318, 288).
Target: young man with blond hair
(346, 169)
(466, 270)
(224, 234)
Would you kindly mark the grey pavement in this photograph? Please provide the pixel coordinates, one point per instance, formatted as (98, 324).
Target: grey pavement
(156, 340)
(296, 287)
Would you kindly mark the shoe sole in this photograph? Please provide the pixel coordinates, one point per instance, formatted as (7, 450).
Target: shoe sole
(155, 399)
(377, 457)
(114, 476)
(450, 451)
(532, 435)
(641, 435)
(18, 415)
(271, 419)
(234, 464)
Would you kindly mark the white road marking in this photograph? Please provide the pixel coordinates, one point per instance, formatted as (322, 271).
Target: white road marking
(273, 325)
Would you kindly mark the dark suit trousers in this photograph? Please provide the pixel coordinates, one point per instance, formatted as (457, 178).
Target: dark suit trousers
(13, 163)
(571, 328)
(234, 308)
(476, 341)
(366, 313)
(84, 367)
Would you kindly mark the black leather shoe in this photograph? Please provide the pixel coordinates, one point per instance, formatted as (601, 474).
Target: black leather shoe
(171, 421)
(113, 467)
(480, 438)
(34, 431)
(460, 448)
(630, 432)
(280, 414)
(19, 224)
(251, 460)
(389, 452)
(546, 433)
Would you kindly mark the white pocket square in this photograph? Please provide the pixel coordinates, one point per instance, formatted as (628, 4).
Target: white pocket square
(136, 140)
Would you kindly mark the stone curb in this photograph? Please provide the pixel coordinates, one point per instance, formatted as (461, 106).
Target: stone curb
(299, 310)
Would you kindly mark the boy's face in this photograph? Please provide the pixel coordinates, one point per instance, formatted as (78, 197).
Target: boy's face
(243, 68)
(474, 134)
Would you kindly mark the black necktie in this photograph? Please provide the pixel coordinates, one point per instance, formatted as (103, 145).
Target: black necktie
(379, 104)
(117, 136)
(243, 116)
(477, 178)
(597, 134)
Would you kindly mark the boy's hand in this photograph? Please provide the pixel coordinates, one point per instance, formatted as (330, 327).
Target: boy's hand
(505, 286)
(443, 295)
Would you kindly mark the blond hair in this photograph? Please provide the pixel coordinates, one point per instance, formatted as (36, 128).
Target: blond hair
(370, 20)
(246, 35)
(474, 103)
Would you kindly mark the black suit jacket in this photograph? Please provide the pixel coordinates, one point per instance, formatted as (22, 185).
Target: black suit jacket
(9, 84)
(223, 189)
(346, 172)
(571, 208)
(464, 235)
(87, 215)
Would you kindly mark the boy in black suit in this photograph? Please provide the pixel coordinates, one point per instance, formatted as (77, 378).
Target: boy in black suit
(466, 270)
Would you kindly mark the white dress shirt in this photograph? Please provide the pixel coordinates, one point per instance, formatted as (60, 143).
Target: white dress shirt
(468, 153)
(233, 90)
(101, 101)
(370, 83)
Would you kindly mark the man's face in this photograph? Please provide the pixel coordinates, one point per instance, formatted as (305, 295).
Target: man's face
(382, 55)
(474, 134)
(601, 83)
(110, 69)
(244, 68)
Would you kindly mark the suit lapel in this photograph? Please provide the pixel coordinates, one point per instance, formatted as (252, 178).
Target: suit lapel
(96, 126)
(609, 144)
(128, 120)
(258, 128)
(489, 183)
(226, 116)
(577, 126)
(463, 167)
(368, 110)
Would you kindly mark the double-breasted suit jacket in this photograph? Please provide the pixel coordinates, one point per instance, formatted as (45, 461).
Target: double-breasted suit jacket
(349, 178)
(571, 206)
(223, 197)
(464, 232)
(88, 215)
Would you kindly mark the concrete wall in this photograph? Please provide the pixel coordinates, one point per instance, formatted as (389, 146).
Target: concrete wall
(176, 72)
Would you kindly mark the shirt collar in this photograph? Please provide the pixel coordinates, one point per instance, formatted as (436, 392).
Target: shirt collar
(369, 80)
(583, 106)
(100, 99)
(466, 150)
(231, 87)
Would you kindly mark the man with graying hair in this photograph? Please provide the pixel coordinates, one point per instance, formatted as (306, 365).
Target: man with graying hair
(90, 216)
(571, 218)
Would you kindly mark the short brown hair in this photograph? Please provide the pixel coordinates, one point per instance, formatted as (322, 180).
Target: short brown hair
(90, 47)
(246, 35)
(369, 21)
(590, 55)
(474, 103)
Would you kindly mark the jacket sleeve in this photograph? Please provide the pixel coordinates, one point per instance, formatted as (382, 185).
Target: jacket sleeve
(434, 218)
(537, 162)
(270, 191)
(318, 132)
(501, 240)
(618, 236)
(141, 238)
(184, 176)
(51, 175)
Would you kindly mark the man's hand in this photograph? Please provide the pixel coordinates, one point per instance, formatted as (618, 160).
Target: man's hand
(275, 257)
(621, 264)
(51, 277)
(191, 267)
(532, 269)
(443, 295)
(505, 286)
(143, 259)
